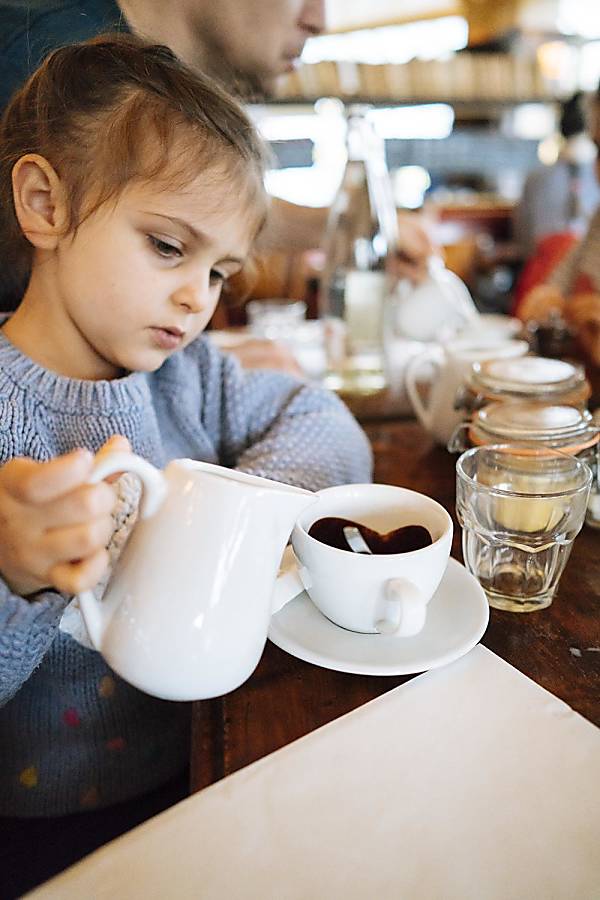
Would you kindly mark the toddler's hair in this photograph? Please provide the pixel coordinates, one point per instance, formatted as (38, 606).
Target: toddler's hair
(113, 110)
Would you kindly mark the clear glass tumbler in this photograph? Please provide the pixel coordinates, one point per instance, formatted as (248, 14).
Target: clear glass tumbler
(277, 319)
(520, 509)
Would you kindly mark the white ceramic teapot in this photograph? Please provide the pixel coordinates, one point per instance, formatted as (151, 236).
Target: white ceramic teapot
(187, 608)
(437, 308)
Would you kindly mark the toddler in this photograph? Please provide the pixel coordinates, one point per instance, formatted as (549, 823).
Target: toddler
(130, 190)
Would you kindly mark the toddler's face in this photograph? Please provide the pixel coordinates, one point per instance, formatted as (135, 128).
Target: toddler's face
(140, 279)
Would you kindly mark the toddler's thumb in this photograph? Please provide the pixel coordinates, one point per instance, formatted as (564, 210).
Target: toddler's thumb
(118, 443)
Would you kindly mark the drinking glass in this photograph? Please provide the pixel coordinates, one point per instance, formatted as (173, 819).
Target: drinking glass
(520, 508)
(276, 319)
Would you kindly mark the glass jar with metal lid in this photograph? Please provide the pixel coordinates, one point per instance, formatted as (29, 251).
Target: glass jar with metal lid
(541, 426)
(532, 378)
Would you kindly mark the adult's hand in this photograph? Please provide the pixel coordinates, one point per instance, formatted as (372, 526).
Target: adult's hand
(540, 302)
(414, 249)
(292, 228)
(583, 312)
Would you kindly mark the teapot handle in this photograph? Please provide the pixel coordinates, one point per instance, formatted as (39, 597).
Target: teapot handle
(432, 355)
(459, 292)
(154, 492)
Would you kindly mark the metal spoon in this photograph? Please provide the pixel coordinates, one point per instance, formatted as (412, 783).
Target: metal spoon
(355, 540)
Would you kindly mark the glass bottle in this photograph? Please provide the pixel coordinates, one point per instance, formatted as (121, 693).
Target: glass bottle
(356, 282)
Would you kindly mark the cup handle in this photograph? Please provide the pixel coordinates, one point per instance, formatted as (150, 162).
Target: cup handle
(405, 609)
(433, 356)
(291, 581)
(154, 487)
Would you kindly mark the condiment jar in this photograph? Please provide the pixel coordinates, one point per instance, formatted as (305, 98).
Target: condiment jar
(532, 378)
(542, 427)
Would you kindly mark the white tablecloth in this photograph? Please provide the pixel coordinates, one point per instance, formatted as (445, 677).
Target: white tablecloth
(468, 782)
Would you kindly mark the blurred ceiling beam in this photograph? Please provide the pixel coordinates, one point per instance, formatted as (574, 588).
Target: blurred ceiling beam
(487, 18)
(350, 15)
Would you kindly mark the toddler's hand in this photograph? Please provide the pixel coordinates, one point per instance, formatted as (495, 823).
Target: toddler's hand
(54, 527)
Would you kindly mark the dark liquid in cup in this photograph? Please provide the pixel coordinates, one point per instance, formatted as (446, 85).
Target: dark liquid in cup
(330, 530)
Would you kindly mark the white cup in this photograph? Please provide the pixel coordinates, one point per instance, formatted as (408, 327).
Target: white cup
(451, 363)
(379, 593)
(492, 326)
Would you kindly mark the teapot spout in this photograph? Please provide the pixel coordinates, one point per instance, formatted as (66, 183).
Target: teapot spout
(291, 502)
(287, 503)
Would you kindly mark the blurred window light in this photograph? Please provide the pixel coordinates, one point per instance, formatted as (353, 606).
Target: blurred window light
(589, 66)
(290, 128)
(325, 120)
(533, 121)
(306, 187)
(391, 43)
(429, 121)
(549, 149)
(432, 121)
(558, 64)
(410, 184)
(580, 17)
(555, 58)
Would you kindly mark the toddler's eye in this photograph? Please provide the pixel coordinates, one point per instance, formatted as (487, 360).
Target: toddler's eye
(217, 277)
(163, 248)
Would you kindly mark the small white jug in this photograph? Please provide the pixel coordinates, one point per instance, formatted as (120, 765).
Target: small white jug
(451, 363)
(187, 608)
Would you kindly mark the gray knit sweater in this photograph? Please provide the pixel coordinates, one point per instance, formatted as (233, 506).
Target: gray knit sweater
(73, 735)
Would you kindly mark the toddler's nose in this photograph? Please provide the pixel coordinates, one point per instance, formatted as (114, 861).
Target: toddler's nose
(193, 296)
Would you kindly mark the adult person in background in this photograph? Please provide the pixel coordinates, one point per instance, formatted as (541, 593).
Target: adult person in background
(573, 288)
(557, 201)
(562, 197)
(245, 44)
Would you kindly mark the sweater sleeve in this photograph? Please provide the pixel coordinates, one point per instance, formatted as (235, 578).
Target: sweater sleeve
(27, 626)
(279, 427)
(27, 630)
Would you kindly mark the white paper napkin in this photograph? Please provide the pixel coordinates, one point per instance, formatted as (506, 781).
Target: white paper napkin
(467, 782)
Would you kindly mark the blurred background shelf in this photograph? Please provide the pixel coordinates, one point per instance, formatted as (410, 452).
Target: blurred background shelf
(464, 77)
(466, 95)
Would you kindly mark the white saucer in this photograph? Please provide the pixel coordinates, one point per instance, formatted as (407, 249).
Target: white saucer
(457, 618)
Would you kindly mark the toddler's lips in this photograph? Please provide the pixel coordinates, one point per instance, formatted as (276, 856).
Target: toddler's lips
(167, 338)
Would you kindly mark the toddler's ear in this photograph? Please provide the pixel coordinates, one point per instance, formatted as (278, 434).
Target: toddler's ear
(39, 199)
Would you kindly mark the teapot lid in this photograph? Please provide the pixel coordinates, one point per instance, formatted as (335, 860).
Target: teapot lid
(527, 421)
(527, 375)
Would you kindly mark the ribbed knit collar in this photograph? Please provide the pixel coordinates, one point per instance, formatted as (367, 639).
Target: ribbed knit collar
(64, 394)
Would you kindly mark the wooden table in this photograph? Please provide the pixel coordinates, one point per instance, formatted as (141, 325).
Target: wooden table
(285, 698)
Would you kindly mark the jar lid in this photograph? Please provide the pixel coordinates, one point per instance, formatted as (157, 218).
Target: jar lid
(519, 420)
(527, 375)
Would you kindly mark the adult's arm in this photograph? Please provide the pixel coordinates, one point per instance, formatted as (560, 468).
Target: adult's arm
(295, 228)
